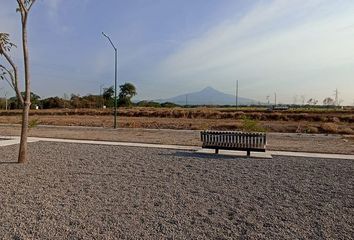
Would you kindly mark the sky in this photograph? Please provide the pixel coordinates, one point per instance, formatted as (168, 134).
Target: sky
(294, 48)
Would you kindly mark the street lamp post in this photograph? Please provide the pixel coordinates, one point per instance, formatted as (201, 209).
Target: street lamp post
(115, 79)
(101, 102)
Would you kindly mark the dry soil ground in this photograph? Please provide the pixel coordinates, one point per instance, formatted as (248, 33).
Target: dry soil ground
(75, 191)
(300, 120)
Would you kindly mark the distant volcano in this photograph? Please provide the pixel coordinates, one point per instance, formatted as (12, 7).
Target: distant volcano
(207, 96)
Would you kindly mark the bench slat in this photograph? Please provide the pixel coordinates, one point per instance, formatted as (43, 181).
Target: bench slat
(233, 140)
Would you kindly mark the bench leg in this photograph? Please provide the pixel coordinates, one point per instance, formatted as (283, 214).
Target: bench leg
(248, 153)
(216, 151)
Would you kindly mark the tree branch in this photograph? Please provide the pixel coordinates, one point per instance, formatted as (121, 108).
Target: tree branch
(15, 77)
(22, 6)
(5, 78)
(29, 8)
(12, 83)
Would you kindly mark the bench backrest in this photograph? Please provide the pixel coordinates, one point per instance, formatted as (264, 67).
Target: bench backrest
(233, 139)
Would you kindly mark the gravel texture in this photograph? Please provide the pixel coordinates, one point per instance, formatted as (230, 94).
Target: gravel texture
(77, 191)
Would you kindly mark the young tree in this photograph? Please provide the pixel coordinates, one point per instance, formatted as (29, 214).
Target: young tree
(127, 91)
(24, 7)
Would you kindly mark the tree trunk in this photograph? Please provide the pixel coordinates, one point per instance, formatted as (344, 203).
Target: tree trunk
(23, 154)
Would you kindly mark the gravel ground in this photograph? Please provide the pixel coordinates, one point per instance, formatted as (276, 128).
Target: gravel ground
(76, 191)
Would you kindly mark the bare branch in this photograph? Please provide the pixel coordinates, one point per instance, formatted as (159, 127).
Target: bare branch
(3, 74)
(9, 60)
(22, 6)
(5, 46)
(14, 81)
(30, 6)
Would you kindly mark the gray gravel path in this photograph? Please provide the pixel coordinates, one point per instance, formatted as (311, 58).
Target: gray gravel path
(77, 191)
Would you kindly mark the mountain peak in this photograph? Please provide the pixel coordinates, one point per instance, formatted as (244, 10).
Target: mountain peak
(209, 89)
(208, 96)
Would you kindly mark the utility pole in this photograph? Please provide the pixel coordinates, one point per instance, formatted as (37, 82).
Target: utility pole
(115, 78)
(336, 97)
(236, 103)
(275, 99)
(186, 99)
(6, 100)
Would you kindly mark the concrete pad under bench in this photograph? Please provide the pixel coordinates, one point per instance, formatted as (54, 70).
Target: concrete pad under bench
(264, 155)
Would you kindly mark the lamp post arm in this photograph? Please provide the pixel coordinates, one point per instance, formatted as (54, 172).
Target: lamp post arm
(109, 39)
(115, 79)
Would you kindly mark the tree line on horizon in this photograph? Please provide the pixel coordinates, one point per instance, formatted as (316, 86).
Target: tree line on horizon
(126, 92)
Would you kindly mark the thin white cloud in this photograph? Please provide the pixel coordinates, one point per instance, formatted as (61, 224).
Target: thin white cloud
(52, 6)
(292, 46)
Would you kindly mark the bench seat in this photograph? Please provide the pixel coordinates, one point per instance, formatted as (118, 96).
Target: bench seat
(232, 140)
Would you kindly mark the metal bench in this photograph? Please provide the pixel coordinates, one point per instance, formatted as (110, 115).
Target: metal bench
(230, 140)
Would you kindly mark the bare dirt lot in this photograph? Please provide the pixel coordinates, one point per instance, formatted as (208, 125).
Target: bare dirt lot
(299, 121)
(75, 191)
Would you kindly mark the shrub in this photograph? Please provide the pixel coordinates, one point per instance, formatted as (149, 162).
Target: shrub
(334, 119)
(33, 123)
(347, 118)
(346, 130)
(169, 105)
(329, 127)
(311, 129)
(275, 116)
(250, 125)
(256, 116)
(228, 126)
(148, 104)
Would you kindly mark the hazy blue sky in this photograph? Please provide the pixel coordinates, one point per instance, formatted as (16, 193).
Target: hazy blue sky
(169, 47)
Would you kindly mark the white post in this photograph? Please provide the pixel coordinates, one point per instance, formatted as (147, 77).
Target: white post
(6, 101)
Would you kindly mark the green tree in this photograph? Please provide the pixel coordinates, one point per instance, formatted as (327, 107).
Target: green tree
(53, 102)
(108, 95)
(127, 91)
(15, 102)
(34, 98)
